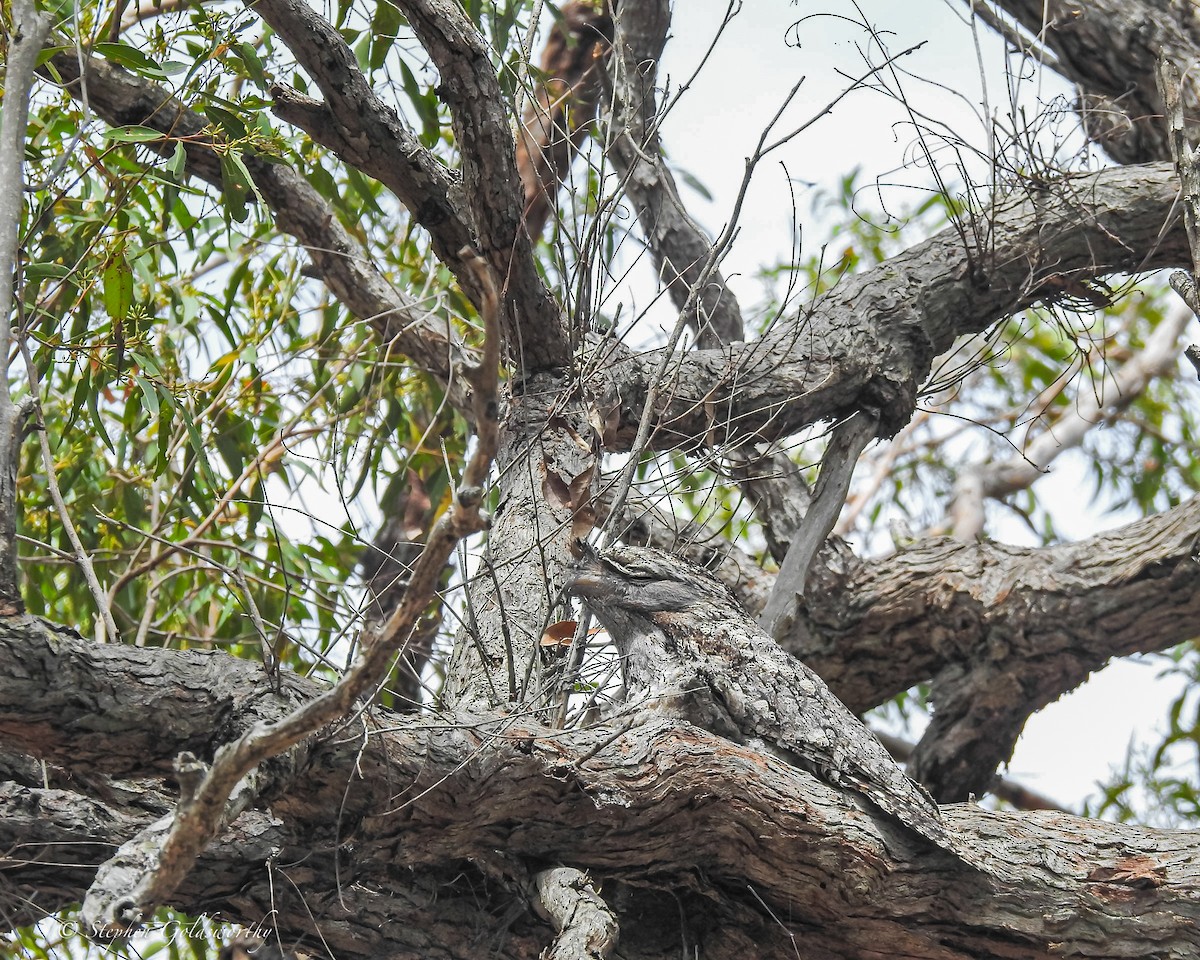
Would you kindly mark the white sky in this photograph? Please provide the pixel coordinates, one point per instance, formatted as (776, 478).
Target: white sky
(714, 127)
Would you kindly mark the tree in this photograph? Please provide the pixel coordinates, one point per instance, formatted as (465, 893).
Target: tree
(269, 255)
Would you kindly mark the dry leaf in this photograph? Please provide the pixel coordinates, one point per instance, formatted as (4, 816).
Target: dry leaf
(559, 634)
(556, 490)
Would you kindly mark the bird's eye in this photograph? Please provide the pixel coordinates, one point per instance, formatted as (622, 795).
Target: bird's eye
(630, 571)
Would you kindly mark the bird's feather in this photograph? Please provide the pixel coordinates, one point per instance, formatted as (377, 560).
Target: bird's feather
(686, 643)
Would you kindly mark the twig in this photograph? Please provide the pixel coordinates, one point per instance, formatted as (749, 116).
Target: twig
(1107, 399)
(154, 863)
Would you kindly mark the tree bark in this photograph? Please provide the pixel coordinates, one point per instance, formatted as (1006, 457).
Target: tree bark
(736, 843)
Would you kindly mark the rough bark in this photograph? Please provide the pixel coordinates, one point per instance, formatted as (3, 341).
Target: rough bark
(366, 132)
(440, 827)
(1003, 630)
(870, 341)
(678, 246)
(546, 474)
(437, 822)
(1110, 49)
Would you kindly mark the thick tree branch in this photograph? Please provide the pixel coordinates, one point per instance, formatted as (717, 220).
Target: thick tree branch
(1110, 49)
(119, 98)
(1002, 630)
(585, 925)
(537, 335)
(28, 31)
(870, 341)
(415, 802)
(366, 133)
(546, 474)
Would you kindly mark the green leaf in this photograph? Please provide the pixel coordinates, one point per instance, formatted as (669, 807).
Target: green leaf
(254, 66)
(132, 134)
(93, 403)
(149, 394)
(236, 186)
(177, 165)
(117, 281)
(229, 123)
(384, 27)
(132, 58)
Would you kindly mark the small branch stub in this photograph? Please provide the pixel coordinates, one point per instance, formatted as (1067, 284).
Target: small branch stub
(585, 924)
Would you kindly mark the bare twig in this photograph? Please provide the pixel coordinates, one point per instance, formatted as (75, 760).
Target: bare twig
(155, 862)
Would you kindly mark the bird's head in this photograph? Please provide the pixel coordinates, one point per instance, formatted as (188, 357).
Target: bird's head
(641, 581)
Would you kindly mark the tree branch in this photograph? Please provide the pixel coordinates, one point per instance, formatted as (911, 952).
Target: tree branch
(537, 335)
(849, 440)
(148, 869)
(1101, 401)
(457, 808)
(1002, 630)
(870, 341)
(28, 32)
(119, 98)
(563, 106)
(366, 133)
(1110, 48)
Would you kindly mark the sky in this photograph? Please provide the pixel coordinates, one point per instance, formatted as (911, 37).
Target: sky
(958, 75)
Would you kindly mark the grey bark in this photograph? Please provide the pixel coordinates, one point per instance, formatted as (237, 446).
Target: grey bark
(1109, 49)
(1002, 630)
(435, 821)
(870, 341)
(546, 475)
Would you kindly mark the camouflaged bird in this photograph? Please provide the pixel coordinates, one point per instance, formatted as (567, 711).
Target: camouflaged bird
(687, 646)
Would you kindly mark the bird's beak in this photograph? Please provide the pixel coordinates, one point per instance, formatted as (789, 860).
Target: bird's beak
(588, 578)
